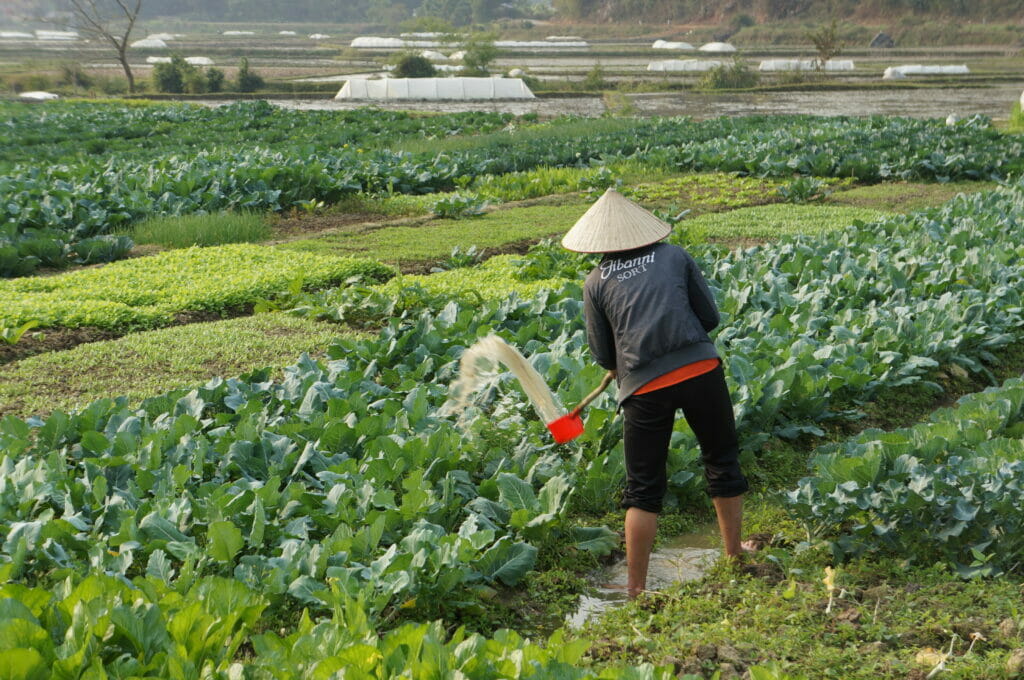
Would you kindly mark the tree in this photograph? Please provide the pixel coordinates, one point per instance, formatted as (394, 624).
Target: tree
(826, 43)
(102, 20)
(479, 53)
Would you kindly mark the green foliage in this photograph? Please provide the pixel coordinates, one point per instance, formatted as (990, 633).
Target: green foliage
(147, 292)
(826, 43)
(247, 80)
(11, 336)
(803, 190)
(202, 230)
(1016, 119)
(462, 258)
(414, 66)
(479, 53)
(214, 79)
(103, 248)
(942, 490)
(172, 77)
(735, 76)
(594, 80)
(458, 206)
(73, 75)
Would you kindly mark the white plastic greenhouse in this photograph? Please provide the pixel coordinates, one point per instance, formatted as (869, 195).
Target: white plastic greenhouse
(375, 43)
(805, 65)
(684, 65)
(38, 96)
(56, 35)
(15, 35)
(717, 48)
(287, 33)
(459, 89)
(539, 44)
(319, 36)
(158, 60)
(149, 43)
(433, 55)
(894, 72)
(669, 45)
(239, 33)
(199, 61)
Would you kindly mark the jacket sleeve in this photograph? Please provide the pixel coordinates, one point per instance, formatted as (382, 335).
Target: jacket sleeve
(599, 332)
(701, 299)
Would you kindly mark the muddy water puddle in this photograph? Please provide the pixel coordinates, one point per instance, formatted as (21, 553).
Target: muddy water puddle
(683, 558)
(938, 102)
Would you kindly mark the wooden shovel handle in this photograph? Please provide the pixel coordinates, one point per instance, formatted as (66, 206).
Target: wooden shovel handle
(608, 377)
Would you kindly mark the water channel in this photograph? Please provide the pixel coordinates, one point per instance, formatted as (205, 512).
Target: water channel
(683, 558)
(995, 102)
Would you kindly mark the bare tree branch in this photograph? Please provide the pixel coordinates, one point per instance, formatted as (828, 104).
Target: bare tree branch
(92, 20)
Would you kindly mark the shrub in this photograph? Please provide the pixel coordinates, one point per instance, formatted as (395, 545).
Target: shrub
(214, 80)
(248, 81)
(414, 66)
(594, 79)
(195, 82)
(730, 77)
(72, 74)
(174, 76)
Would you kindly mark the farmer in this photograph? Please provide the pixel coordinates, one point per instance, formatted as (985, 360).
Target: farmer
(649, 311)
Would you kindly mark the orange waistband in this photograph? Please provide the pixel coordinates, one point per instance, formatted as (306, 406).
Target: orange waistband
(680, 374)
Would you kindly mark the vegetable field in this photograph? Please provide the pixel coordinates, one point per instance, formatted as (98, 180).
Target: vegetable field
(332, 520)
(68, 209)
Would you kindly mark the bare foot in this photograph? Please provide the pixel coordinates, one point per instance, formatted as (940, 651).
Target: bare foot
(751, 546)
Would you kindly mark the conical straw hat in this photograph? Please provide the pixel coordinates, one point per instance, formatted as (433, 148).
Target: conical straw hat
(612, 224)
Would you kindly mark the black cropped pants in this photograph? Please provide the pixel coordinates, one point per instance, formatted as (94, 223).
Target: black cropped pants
(649, 419)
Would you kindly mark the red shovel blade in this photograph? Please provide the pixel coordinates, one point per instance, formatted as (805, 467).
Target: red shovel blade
(566, 428)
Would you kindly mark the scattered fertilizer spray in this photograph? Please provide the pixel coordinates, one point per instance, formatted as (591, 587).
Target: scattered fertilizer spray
(481, 357)
(492, 349)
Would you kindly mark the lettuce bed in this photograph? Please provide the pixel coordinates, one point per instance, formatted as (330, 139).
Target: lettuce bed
(148, 292)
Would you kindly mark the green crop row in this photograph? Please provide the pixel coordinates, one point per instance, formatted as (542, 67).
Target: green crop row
(946, 490)
(89, 196)
(71, 131)
(104, 627)
(150, 291)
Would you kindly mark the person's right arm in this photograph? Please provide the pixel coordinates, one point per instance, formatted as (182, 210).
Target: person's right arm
(702, 301)
(599, 332)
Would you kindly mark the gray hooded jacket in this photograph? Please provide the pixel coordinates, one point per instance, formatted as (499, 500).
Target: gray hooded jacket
(648, 312)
